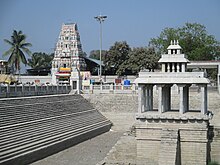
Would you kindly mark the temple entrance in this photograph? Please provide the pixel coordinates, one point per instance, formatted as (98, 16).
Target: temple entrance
(74, 85)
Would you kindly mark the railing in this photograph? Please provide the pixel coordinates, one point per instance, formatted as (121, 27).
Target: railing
(32, 90)
(129, 88)
(110, 88)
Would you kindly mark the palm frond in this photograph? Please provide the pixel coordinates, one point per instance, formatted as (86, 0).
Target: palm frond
(12, 58)
(9, 42)
(8, 52)
(22, 37)
(19, 32)
(26, 45)
(22, 57)
(26, 50)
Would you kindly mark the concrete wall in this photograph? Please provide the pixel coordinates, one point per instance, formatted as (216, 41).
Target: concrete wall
(41, 79)
(32, 90)
(113, 102)
(172, 142)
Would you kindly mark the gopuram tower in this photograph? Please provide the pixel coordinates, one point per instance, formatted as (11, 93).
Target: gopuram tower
(68, 60)
(167, 135)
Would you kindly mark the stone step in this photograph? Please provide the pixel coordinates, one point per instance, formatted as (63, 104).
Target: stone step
(50, 124)
(17, 148)
(34, 135)
(59, 117)
(37, 112)
(49, 142)
(34, 99)
(20, 126)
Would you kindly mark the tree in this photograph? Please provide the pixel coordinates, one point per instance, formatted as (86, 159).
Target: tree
(95, 54)
(83, 54)
(139, 59)
(117, 54)
(40, 60)
(194, 40)
(17, 50)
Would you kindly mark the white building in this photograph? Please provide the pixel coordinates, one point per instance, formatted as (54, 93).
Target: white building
(166, 135)
(68, 60)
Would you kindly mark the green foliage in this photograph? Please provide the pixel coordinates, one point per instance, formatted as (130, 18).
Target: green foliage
(117, 54)
(213, 163)
(95, 54)
(139, 59)
(40, 60)
(194, 40)
(83, 54)
(17, 49)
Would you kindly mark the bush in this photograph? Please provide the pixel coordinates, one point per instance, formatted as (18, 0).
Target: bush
(213, 163)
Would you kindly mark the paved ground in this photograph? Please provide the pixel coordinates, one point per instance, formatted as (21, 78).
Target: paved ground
(89, 152)
(96, 149)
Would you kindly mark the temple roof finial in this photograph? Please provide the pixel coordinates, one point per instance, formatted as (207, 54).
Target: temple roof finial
(171, 42)
(177, 42)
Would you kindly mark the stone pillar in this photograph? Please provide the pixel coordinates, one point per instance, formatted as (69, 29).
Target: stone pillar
(133, 88)
(35, 89)
(181, 102)
(161, 98)
(151, 91)
(111, 88)
(149, 97)
(53, 76)
(177, 67)
(163, 67)
(183, 67)
(168, 67)
(141, 98)
(186, 97)
(8, 88)
(57, 88)
(167, 96)
(203, 99)
(101, 88)
(22, 89)
(173, 67)
(218, 79)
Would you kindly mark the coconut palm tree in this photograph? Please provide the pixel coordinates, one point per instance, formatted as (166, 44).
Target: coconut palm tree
(35, 61)
(40, 60)
(17, 50)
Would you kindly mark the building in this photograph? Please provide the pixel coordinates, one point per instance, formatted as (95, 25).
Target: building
(68, 60)
(168, 135)
(3, 67)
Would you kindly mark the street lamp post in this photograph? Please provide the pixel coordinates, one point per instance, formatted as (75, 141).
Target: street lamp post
(100, 18)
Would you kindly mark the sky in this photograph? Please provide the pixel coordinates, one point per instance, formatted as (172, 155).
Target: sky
(134, 21)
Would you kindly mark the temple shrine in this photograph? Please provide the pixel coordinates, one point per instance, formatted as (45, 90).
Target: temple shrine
(68, 59)
(167, 135)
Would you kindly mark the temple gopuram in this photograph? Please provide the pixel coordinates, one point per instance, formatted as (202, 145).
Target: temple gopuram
(68, 59)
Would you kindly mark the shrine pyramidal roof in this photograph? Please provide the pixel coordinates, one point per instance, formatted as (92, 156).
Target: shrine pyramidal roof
(174, 70)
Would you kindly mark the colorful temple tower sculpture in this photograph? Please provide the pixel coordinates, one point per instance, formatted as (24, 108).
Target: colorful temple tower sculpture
(68, 61)
(167, 135)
